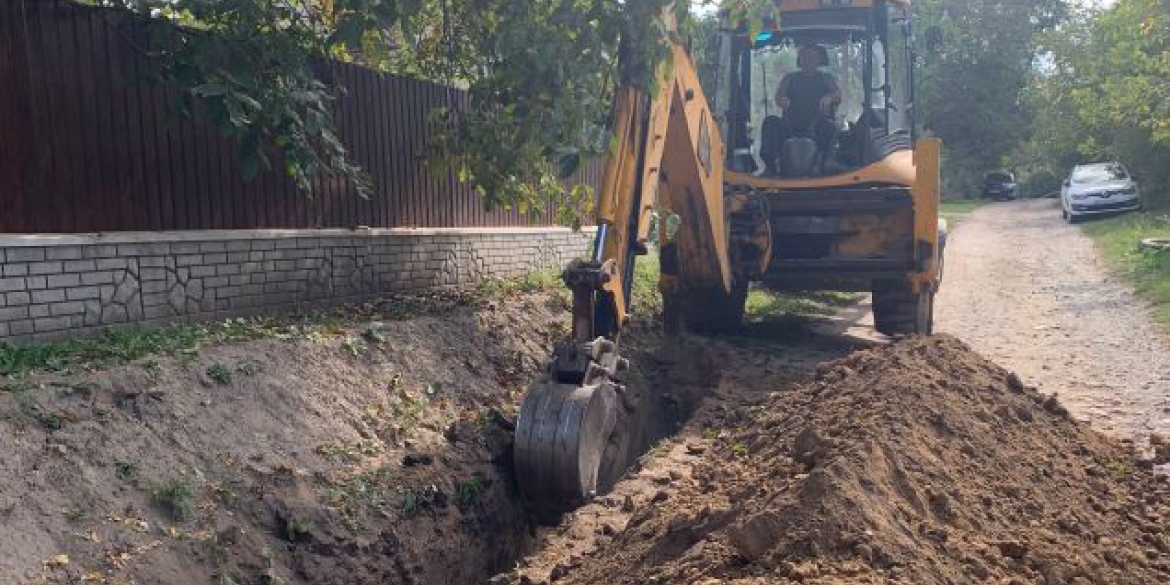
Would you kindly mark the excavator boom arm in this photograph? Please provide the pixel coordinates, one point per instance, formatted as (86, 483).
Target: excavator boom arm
(667, 162)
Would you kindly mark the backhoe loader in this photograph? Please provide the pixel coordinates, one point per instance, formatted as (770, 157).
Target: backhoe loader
(853, 208)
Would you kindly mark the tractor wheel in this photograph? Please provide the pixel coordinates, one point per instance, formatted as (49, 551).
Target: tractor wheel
(712, 312)
(897, 310)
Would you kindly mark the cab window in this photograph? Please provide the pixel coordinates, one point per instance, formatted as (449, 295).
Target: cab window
(898, 61)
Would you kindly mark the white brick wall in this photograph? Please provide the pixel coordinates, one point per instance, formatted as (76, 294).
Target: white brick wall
(53, 286)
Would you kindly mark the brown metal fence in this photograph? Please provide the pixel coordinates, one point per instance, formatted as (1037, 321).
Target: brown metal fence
(86, 145)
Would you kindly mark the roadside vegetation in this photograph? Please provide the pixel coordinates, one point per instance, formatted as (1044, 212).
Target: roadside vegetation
(1102, 94)
(955, 210)
(773, 315)
(183, 341)
(971, 80)
(1147, 269)
(533, 116)
(1036, 88)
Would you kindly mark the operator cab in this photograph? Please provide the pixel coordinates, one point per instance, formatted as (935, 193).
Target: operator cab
(866, 53)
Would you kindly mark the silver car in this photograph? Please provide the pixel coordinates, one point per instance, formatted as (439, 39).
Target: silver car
(1098, 189)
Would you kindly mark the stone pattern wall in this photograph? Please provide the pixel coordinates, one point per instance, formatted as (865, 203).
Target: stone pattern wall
(53, 286)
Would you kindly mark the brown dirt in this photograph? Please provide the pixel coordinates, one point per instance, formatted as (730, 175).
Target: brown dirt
(336, 460)
(918, 462)
(385, 459)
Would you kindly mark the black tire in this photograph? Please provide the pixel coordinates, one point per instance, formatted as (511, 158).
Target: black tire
(713, 312)
(897, 310)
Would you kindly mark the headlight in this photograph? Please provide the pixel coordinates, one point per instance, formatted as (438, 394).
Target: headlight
(1080, 195)
(1131, 190)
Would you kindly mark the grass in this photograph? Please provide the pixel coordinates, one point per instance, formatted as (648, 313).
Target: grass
(469, 491)
(354, 347)
(119, 347)
(249, 366)
(183, 341)
(220, 373)
(88, 353)
(125, 470)
(646, 298)
(780, 315)
(409, 410)
(351, 452)
(35, 411)
(1119, 238)
(371, 489)
(956, 209)
(176, 496)
(763, 305)
(297, 529)
(538, 281)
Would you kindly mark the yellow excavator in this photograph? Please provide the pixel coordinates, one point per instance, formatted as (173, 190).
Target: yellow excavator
(847, 200)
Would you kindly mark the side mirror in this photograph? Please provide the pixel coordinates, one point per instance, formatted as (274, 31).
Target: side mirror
(1066, 183)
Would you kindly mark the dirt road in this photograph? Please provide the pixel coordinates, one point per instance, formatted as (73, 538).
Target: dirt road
(1030, 292)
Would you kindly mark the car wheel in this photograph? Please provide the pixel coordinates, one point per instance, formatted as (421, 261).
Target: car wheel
(1063, 213)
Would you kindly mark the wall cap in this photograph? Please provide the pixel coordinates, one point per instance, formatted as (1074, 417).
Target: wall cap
(48, 240)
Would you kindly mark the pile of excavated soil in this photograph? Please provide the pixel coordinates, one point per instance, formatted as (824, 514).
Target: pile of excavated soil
(369, 455)
(916, 463)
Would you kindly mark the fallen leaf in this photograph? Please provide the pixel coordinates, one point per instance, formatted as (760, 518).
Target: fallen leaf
(94, 576)
(57, 561)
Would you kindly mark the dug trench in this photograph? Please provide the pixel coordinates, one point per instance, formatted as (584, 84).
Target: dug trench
(378, 451)
(367, 446)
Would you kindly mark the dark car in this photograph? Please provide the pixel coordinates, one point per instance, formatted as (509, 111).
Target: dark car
(1000, 186)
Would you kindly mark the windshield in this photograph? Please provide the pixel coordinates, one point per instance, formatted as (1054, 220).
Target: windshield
(1099, 174)
(777, 58)
(821, 92)
(846, 64)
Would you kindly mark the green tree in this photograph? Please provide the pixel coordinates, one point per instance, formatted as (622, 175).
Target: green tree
(1104, 93)
(539, 75)
(971, 90)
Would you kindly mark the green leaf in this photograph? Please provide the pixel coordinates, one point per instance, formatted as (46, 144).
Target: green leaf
(349, 33)
(568, 165)
(206, 90)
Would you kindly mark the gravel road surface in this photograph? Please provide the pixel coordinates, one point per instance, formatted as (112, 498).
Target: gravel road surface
(1031, 292)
